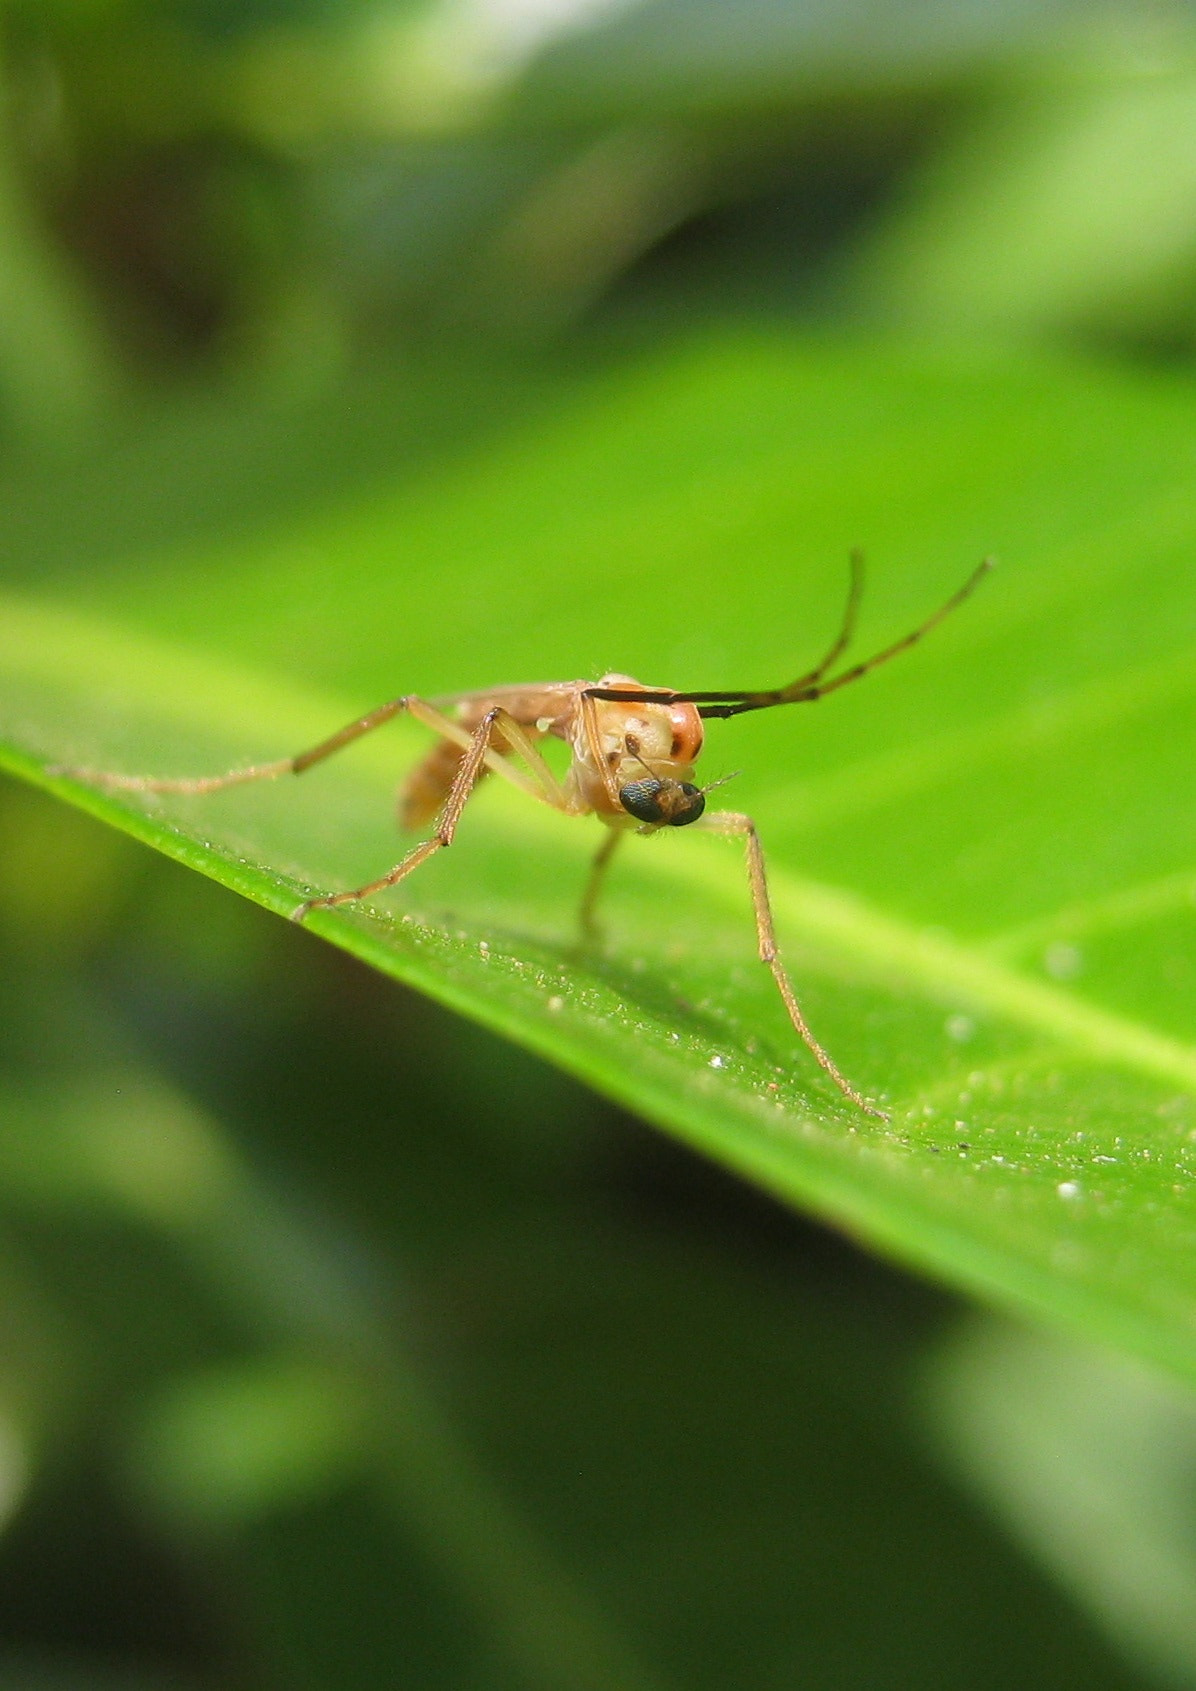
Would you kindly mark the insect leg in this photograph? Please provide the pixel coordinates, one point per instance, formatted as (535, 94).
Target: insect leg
(589, 900)
(254, 772)
(544, 786)
(593, 739)
(464, 781)
(172, 784)
(519, 740)
(541, 783)
(732, 823)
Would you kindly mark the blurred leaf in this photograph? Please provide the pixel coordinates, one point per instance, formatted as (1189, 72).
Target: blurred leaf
(668, 1428)
(1089, 1458)
(340, 1394)
(997, 934)
(1068, 206)
(224, 1445)
(703, 53)
(56, 370)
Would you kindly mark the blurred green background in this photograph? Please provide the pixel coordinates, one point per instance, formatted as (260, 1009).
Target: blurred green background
(345, 1344)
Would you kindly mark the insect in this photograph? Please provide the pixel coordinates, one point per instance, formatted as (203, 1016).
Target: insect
(633, 750)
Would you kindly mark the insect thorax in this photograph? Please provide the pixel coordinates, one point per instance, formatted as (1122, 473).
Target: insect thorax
(635, 741)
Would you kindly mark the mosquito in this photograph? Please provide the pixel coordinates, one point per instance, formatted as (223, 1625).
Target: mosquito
(633, 750)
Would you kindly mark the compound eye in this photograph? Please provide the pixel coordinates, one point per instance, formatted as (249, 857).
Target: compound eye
(642, 800)
(693, 803)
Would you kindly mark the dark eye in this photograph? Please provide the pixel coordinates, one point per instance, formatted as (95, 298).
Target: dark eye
(688, 805)
(669, 804)
(642, 800)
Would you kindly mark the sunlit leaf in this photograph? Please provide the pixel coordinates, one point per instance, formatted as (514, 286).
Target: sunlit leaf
(982, 859)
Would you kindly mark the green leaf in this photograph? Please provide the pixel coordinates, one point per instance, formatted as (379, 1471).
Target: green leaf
(1073, 179)
(982, 859)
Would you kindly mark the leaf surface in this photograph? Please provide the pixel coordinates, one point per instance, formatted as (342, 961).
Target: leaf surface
(983, 860)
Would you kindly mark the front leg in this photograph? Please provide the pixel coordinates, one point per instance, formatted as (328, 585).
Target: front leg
(733, 823)
(463, 784)
(479, 754)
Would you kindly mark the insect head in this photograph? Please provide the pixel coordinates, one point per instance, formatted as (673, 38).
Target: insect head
(668, 804)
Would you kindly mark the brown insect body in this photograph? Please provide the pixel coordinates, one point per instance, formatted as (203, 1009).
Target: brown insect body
(633, 751)
(613, 744)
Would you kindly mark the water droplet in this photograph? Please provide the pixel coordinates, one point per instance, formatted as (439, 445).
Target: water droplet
(1063, 962)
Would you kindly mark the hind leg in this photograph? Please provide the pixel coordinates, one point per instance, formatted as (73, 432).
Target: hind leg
(731, 822)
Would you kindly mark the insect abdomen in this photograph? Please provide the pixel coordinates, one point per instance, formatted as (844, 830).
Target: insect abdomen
(422, 794)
